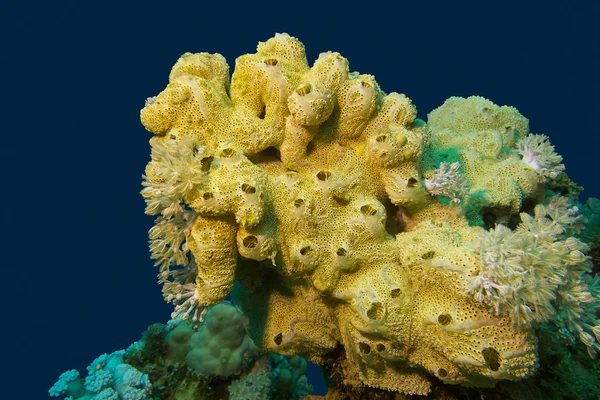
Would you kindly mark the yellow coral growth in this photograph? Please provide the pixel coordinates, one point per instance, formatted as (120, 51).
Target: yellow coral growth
(483, 137)
(307, 187)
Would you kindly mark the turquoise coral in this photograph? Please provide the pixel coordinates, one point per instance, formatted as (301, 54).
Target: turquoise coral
(109, 377)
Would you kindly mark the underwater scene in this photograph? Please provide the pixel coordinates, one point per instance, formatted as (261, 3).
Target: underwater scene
(316, 237)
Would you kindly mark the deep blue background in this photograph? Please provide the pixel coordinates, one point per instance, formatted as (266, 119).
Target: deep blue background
(77, 280)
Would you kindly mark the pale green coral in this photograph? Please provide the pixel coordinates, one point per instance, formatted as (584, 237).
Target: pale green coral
(221, 347)
(314, 190)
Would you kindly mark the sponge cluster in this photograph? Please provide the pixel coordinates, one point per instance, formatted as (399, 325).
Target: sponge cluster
(323, 197)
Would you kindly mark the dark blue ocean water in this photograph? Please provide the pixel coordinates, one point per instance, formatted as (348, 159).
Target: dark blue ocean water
(77, 280)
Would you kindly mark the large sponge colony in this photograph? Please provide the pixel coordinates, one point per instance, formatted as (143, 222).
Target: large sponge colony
(323, 197)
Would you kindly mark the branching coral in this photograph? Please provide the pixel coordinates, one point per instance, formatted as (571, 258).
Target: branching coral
(315, 190)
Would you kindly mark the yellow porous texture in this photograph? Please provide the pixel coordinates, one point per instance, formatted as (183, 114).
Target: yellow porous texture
(305, 185)
(482, 136)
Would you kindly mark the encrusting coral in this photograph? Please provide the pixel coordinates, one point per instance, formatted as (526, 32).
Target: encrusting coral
(355, 231)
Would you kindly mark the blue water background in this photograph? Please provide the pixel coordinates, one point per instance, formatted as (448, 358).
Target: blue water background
(77, 280)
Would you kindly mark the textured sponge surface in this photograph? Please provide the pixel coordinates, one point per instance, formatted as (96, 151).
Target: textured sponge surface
(346, 221)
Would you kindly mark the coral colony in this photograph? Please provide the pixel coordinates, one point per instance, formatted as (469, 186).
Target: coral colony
(304, 214)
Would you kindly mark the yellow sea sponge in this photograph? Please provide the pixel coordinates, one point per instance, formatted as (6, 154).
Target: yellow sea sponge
(477, 113)
(305, 191)
(483, 138)
(212, 242)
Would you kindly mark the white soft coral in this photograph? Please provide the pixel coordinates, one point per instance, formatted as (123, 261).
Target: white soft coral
(538, 273)
(539, 154)
(447, 181)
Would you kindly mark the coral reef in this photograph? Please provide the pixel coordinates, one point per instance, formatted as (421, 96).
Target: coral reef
(109, 377)
(357, 233)
(221, 346)
(215, 360)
